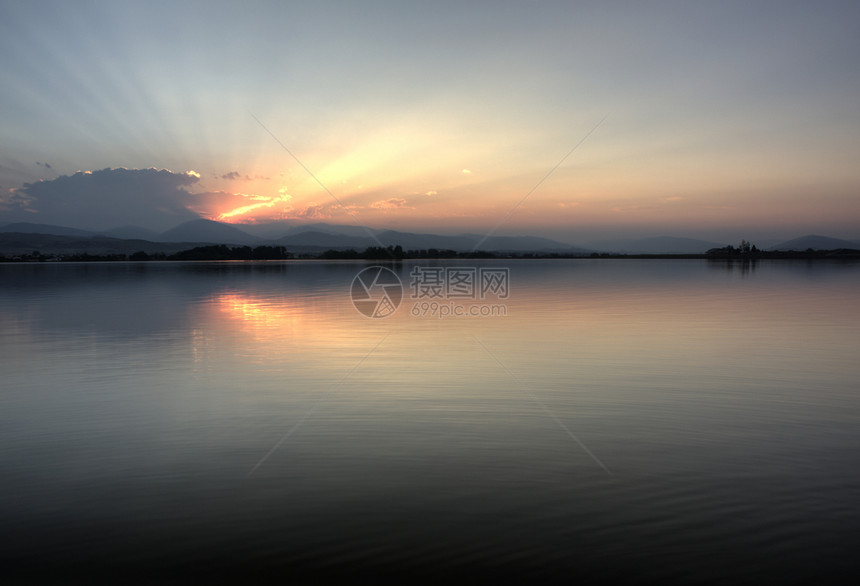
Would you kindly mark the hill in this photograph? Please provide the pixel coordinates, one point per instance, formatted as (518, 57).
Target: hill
(16, 243)
(657, 245)
(30, 228)
(324, 240)
(816, 242)
(131, 232)
(268, 230)
(208, 231)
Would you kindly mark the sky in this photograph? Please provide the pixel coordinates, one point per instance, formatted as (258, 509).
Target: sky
(574, 120)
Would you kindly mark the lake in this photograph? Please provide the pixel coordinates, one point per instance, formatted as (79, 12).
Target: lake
(549, 420)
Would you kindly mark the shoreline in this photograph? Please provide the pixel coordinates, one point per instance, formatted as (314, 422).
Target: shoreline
(332, 255)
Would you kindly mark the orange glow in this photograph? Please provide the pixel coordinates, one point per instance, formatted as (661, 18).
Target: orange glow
(404, 175)
(260, 328)
(241, 211)
(246, 212)
(261, 317)
(285, 319)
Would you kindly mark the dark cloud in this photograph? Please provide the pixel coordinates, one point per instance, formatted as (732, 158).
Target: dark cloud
(231, 175)
(100, 200)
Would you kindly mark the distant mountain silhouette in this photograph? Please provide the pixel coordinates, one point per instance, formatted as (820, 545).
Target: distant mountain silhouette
(316, 239)
(345, 229)
(412, 241)
(528, 244)
(338, 238)
(30, 228)
(131, 232)
(208, 231)
(17, 243)
(657, 245)
(342, 236)
(277, 230)
(816, 242)
(269, 230)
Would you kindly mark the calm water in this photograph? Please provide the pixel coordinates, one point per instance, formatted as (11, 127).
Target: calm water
(635, 420)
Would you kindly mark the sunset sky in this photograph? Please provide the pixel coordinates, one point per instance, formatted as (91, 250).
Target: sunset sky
(719, 119)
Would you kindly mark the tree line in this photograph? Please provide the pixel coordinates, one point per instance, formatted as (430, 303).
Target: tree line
(212, 252)
(745, 249)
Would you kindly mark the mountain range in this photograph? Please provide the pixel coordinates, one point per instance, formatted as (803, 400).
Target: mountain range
(313, 238)
(297, 238)
(657, 245)
(816, 242)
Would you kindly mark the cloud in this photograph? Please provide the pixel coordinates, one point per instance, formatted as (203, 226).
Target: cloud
(100, 200)
(265, 198)
(260, 202)
(466, 172)
(312, 212)
(431, 193)
(389, 204)
(12, 201)
(233, 175)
